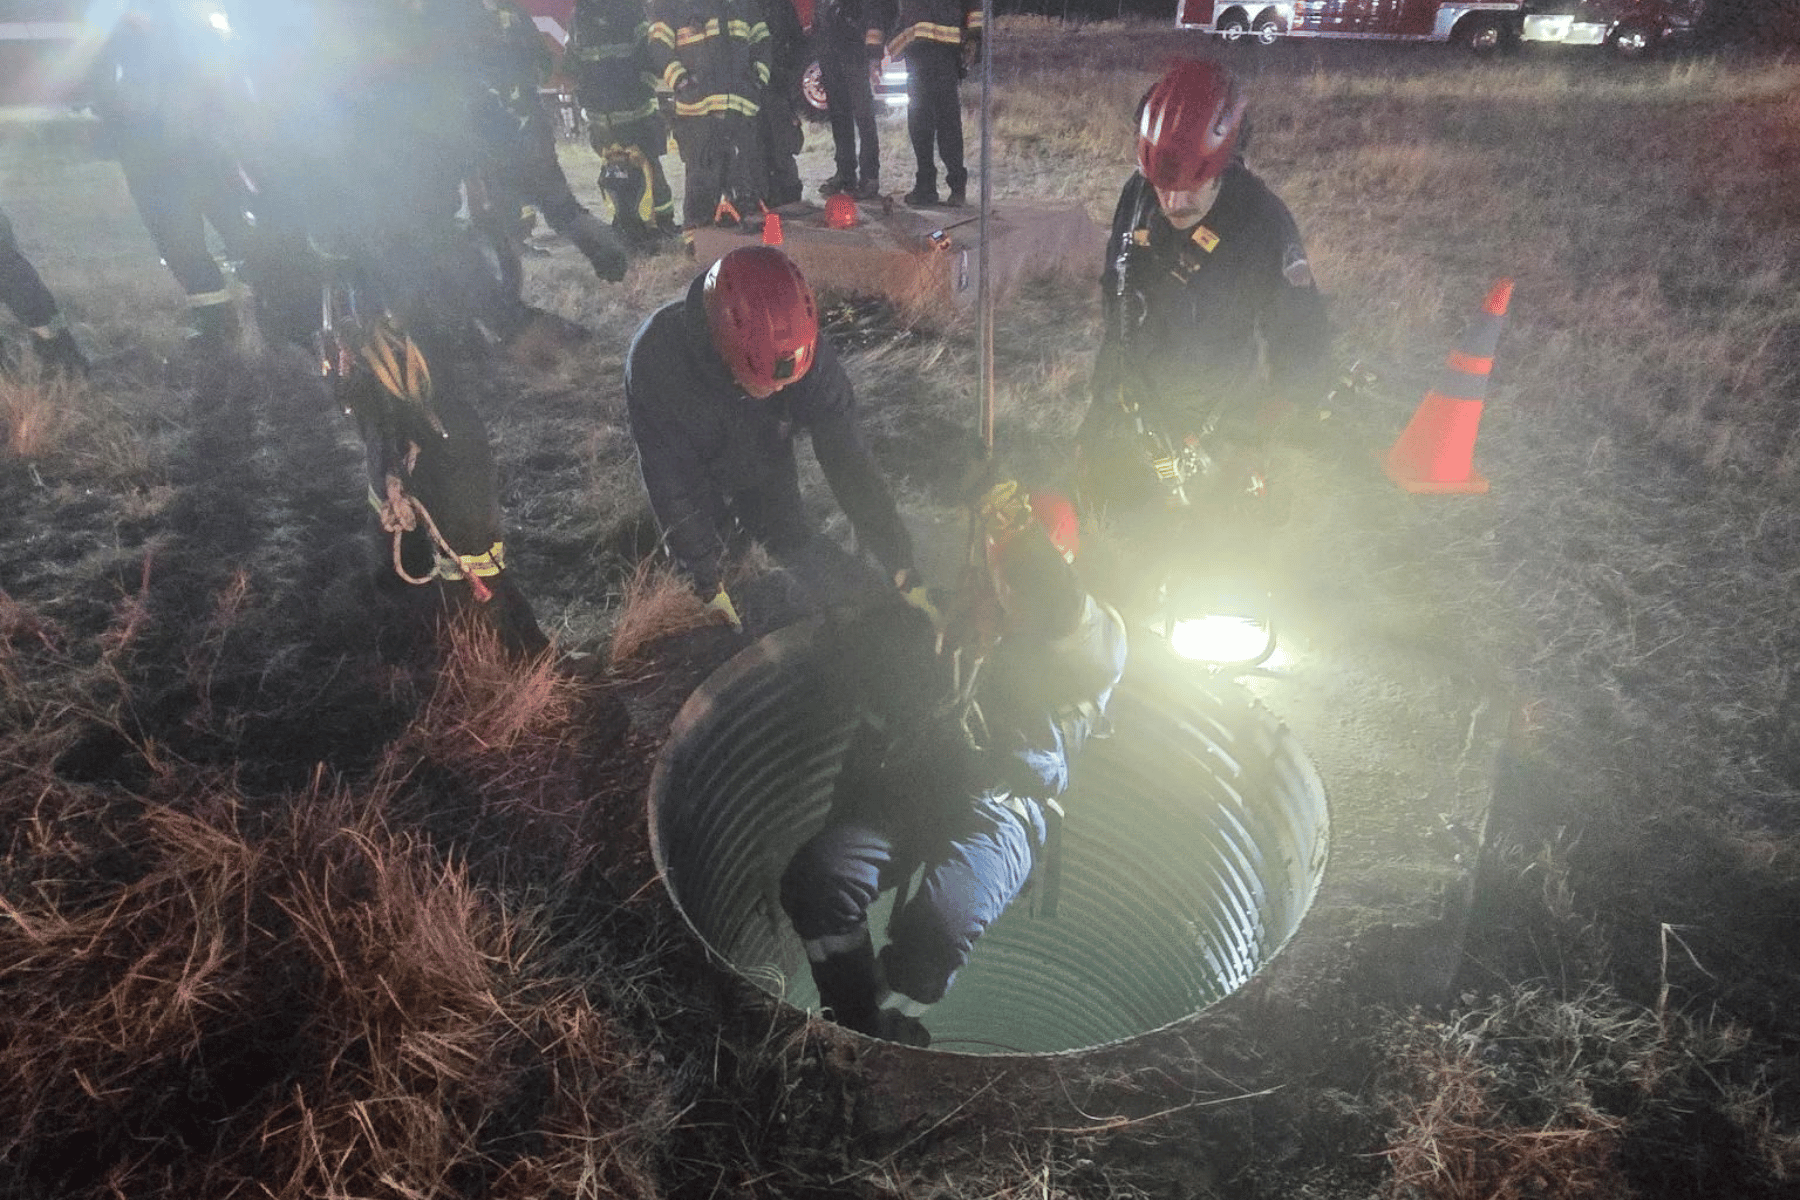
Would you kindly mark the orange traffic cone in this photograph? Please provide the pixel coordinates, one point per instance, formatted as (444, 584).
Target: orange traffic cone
(772, 229)
(1435, 452)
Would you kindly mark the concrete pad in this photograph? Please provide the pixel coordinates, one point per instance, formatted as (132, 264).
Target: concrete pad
(927, 259)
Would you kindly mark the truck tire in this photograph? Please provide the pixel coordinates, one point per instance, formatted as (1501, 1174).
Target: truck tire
(809, 93)
(1234, 26)
(1267, 31)
(1484, 36)
(1632, 40)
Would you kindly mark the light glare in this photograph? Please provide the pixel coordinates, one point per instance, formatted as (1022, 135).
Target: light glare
(1220, 639)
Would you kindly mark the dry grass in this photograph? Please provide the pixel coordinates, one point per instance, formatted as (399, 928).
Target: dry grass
(34, 414)
(322, 1008)
(659, 603)
(489, 705)
(206, 989)
(1535, 1094)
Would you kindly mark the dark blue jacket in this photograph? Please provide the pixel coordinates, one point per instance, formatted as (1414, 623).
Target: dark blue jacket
(1187, 313)
(700, 439)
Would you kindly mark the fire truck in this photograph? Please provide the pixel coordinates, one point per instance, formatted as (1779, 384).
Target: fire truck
(1481, 25)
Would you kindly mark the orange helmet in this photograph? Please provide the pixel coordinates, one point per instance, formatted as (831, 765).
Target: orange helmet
(840, 211)
(763, 318)
(1188, 126)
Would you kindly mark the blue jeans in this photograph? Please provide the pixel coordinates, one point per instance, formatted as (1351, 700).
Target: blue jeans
(977, 858)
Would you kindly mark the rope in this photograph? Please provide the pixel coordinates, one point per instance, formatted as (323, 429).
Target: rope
(401, 512)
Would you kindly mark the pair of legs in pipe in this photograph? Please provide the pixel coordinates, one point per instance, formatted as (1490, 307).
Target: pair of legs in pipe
(977, 850)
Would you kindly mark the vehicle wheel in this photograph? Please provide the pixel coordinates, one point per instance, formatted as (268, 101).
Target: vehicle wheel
(1268, 31)
(1484, 35)
(1633, 41)
(1234, 27)
(813, 105)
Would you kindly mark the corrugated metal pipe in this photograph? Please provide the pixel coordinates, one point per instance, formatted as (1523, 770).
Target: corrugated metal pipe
(1195, 842)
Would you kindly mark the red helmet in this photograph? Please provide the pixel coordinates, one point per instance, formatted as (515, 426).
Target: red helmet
(1188, 126)
(840, 211)
(1057, 515)
(1007, 510)
(763, 318)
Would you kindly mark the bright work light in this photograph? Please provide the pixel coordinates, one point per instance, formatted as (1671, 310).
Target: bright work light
(1223, 639)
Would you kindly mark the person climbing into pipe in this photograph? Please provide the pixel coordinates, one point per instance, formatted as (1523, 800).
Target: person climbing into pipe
(717, 384)
(966, 789)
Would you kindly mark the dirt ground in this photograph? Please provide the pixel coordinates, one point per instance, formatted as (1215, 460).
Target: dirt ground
(190, 595)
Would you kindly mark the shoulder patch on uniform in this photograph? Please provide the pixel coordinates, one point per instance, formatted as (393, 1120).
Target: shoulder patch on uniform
(1140, 237)
(1204, 238)
(1294, 267)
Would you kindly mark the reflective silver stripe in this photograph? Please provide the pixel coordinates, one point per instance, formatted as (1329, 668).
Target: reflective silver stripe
(901, 1003)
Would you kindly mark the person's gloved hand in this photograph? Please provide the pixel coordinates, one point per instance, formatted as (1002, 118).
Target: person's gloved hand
(726, 612)
(911, 586)
(876, 51)
(688, 88)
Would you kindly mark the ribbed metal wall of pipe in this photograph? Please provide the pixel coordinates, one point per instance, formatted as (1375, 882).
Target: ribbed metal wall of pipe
(1196, 839)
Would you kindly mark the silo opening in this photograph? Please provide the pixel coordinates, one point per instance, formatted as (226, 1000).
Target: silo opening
(1195, 841)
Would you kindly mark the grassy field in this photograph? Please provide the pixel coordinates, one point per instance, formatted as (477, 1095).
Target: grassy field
(293, 905)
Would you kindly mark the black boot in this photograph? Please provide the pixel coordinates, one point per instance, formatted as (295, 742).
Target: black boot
(599, 245)
(848, 988)
(214, 329)
(58, 352)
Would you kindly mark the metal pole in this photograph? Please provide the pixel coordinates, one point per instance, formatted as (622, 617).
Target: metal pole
(984, 296)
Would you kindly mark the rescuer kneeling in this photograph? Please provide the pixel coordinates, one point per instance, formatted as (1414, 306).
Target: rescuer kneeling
(965, 789)
(717, 383)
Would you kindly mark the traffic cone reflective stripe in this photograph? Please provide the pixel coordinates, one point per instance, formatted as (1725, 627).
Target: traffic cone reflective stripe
(1435, 453)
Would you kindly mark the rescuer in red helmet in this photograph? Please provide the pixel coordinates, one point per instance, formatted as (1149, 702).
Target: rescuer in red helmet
(968, 791)
(717, 383)
(1209, 299)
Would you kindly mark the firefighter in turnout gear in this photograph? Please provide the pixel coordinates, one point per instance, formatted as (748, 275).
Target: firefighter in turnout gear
(940, 40)
(163, 85)
(966, 790)
(371, 110)
(512, 62)
(714, 56)
(22, 290)
(608, 58)
(852, 40)
(769, 174)
(1204, 278)
(717, 385)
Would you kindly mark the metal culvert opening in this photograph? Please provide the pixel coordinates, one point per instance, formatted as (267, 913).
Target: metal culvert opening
(1195, 842)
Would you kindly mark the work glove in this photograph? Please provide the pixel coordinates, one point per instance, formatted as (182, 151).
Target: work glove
(726, 611)
(688, 88)
(913, 590)
(876, 51)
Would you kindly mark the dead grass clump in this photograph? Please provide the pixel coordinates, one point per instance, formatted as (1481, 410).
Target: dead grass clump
(302, 1004)
(486, 703)
(1532, 1094)
(35, 414)
(658, 604)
